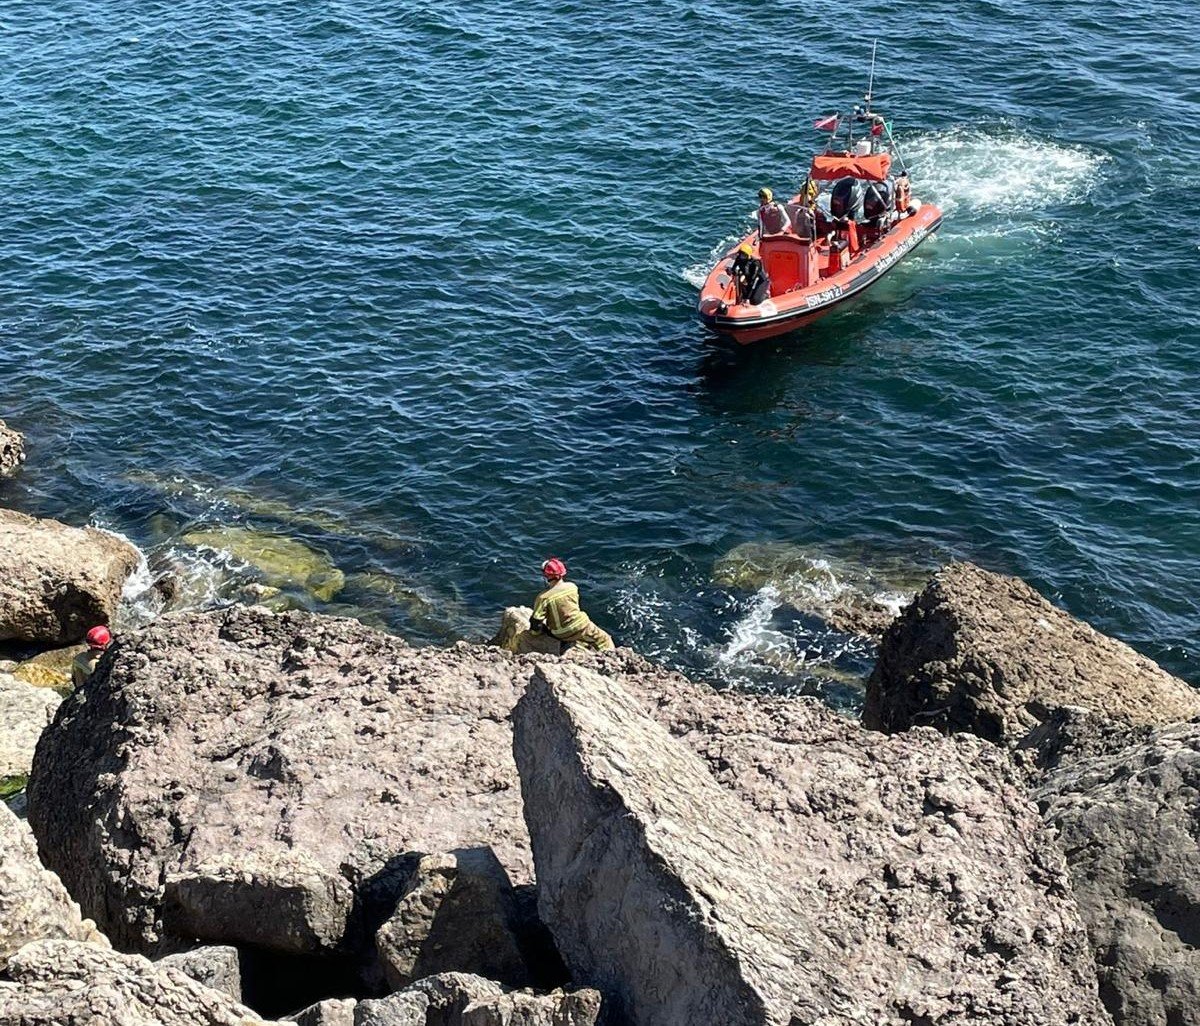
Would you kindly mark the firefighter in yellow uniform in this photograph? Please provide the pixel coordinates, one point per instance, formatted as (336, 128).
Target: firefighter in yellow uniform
(557, 610)
(98, 639)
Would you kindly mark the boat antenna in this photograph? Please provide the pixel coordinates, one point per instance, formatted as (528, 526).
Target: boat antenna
(871, 79)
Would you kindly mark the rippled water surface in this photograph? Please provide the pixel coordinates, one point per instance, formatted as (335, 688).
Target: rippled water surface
(414, 287)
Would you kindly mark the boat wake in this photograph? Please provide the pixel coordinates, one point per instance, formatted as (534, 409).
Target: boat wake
(1000, 184)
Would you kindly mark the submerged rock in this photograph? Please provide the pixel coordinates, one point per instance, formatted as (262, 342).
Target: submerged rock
(840, 876)
(283, 562)
(57, 582)
(855, 596)
(12, 450)
(59, 981)
(33, 902)
(266, 507)
(1129, 821)
(986, 654)
(25, 711)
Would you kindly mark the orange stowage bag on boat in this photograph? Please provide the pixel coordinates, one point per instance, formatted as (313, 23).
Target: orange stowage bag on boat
(828, 167)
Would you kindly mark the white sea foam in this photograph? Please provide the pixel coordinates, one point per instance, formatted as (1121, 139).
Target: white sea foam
(695, 273)
(139, 602)
(978, 171)
(753, 633)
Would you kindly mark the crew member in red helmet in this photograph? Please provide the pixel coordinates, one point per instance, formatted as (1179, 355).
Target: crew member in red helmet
(98, 639)
(557, 610)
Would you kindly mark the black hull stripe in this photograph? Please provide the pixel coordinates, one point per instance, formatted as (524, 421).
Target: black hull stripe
(857, 284)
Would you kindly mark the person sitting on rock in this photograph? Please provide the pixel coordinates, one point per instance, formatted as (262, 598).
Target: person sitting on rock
(557, 611)
(98, 639)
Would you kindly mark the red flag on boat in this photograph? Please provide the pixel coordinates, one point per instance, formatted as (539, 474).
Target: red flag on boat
(828, 124)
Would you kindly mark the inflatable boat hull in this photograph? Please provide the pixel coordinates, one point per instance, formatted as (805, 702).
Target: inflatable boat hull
(799, 306)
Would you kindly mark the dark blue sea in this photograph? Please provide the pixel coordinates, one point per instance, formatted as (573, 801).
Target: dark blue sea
(379, 304)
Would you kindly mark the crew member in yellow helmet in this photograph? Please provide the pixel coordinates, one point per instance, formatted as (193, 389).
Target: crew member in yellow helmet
(556, 610)
(751, 284)
(772, 217)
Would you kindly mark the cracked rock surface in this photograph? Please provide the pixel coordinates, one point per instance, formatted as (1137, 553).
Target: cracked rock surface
(784, 862)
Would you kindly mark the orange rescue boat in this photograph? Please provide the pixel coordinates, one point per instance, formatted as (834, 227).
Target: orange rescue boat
(851, 224)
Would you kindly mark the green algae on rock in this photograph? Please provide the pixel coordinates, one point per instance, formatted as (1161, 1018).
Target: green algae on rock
(283, 562)
(423, 607)
(13, 785)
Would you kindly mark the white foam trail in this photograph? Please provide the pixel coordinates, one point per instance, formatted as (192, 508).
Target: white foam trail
(139, 582)
(970, 171)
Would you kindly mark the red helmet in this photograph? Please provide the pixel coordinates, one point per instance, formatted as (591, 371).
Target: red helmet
(98, 637)
(554, 569)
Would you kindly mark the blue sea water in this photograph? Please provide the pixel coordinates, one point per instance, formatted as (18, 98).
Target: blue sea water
(414, 285)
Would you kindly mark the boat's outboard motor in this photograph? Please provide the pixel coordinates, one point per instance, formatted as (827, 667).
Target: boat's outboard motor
(878, 198)
(846, 199)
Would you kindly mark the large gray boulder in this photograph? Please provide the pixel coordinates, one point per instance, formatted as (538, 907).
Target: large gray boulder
(800, 867)
(458, 999)
(245, 777)
(12, 449)
(650, 875)
(1130, 821)
(330, 1012)
(217, 966)
(56, 581)
(33, 902)
(458, 909)
(986, 654)
(64, 983)
(462, 999)
(25, 711)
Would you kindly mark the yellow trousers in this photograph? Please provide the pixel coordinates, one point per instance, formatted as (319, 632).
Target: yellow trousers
(594, 638)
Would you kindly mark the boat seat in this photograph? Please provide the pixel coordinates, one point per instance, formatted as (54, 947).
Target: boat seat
(785, 260)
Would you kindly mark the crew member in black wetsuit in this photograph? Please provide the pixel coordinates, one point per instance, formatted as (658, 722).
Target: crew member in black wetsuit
(752, 283)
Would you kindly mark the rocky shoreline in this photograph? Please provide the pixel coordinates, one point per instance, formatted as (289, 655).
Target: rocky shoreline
(252, 816)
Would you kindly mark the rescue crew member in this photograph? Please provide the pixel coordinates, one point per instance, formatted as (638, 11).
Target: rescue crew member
(772, 217)
(751, 281)
(557, 610)
(98, 639)
(804, 221)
